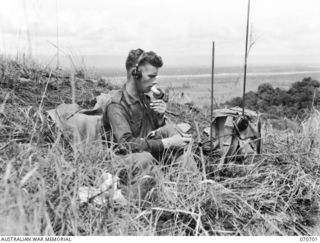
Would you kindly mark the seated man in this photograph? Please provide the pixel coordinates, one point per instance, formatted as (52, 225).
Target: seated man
(132, 115)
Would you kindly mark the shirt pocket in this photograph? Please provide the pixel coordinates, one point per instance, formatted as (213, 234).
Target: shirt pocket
(135, 124)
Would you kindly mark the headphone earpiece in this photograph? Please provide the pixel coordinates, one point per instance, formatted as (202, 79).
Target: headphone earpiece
(136, 73)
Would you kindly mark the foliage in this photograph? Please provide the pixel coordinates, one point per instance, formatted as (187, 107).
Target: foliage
(293, 103)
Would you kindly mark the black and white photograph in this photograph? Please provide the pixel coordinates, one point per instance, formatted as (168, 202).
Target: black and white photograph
(159, 118)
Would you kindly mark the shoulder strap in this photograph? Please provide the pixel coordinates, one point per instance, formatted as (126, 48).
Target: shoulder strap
(103, 100)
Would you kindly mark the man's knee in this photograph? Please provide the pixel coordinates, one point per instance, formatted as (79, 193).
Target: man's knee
(142, 160)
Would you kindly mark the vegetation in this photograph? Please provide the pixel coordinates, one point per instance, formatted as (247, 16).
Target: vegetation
(275, 193)
(293, 103)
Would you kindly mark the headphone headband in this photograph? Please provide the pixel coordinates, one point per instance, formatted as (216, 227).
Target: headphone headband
(141, 56)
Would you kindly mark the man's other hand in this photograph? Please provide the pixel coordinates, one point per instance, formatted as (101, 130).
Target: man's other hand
(158, 106)
(176, 141)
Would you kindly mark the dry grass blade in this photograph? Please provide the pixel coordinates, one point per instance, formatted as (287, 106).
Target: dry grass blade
(2, 108)
(175, 211)
(28, 175)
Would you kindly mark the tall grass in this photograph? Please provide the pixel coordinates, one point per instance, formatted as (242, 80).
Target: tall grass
(275, 193)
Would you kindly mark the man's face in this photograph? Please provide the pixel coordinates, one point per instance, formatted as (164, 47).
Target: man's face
(148, 79)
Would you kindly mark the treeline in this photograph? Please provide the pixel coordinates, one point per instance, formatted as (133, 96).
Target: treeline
(293, 103)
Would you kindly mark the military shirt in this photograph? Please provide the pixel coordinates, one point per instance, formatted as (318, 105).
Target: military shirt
(131, 120)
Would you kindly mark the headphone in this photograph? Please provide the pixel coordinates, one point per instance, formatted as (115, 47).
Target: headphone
(136, 73)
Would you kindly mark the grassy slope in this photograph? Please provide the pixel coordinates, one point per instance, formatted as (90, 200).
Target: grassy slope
(276, 193)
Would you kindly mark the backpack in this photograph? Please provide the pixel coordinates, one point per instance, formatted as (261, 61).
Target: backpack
(79, 126)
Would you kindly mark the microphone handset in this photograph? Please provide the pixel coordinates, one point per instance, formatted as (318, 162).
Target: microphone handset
(157, 93)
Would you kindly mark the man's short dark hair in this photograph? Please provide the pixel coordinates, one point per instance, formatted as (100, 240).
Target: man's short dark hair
(147, 57)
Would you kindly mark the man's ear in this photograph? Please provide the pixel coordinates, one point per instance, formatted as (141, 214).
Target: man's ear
(130, 72)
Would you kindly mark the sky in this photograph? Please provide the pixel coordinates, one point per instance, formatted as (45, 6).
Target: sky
(181, 31)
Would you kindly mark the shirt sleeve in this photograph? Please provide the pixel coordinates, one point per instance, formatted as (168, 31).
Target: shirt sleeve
(159, 119)
(120, 125)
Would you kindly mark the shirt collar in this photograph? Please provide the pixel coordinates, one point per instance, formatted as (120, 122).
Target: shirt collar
(129, 98)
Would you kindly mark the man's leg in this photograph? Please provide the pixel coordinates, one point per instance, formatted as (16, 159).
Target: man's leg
(187, 163)
(140, 175)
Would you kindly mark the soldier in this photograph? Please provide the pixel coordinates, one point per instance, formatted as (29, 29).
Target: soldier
(138, 123)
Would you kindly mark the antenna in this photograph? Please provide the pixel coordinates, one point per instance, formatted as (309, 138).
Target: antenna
(58, 61)
(28, 29)
(245, 61)
(212, 82)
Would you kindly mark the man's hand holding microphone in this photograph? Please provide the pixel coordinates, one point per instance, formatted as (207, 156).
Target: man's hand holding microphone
(179, 140)
(158, 104)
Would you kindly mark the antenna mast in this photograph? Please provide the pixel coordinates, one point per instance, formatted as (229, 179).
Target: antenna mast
(212, 82)
(245, 60)
(58, 57)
